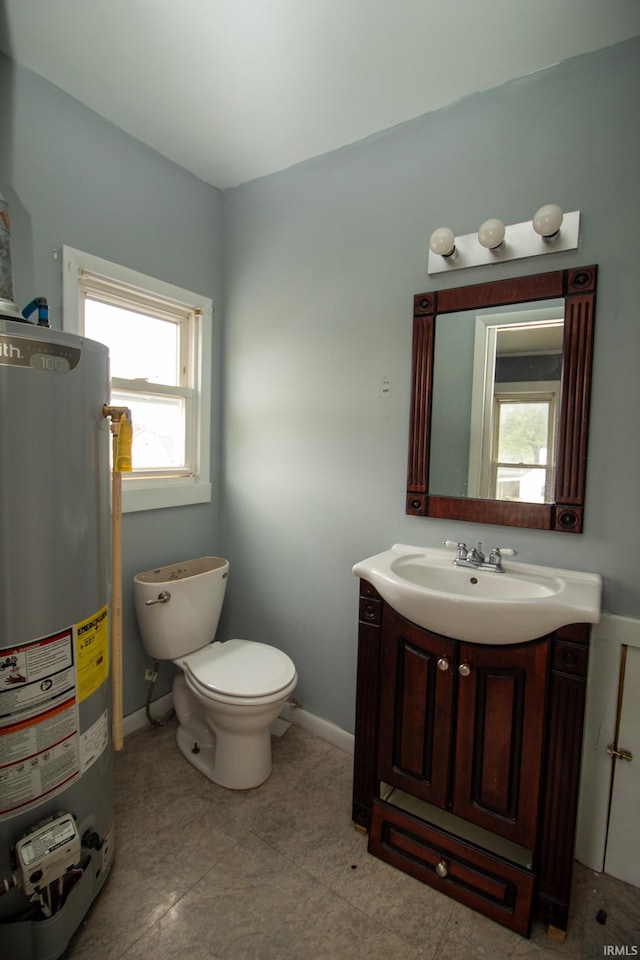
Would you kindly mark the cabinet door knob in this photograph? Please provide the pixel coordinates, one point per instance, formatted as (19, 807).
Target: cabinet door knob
(443, 664)
(464, 669)
(441, 868)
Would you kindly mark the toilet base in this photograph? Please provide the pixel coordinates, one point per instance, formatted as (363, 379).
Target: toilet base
(231, 746)
(199, 754)
(243, 762)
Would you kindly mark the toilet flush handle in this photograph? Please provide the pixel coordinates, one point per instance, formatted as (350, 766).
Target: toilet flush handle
(163, 597)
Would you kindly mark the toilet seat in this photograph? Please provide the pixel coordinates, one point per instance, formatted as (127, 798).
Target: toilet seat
(238, 671)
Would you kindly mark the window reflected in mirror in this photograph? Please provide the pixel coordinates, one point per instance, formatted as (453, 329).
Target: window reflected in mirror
(496, 403)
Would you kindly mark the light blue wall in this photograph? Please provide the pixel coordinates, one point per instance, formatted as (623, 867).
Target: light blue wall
(71, 178)
(321, 263)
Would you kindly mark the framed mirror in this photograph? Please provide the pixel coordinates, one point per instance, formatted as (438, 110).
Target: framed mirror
(501, 380)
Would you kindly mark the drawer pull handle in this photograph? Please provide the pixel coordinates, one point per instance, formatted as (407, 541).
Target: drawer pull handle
(443, 664)
(441, 868)
(464, 669)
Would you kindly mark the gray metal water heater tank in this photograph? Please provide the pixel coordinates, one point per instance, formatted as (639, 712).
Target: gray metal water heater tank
(56, 804)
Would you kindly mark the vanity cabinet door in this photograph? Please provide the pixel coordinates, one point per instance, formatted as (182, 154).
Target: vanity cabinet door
(500, 736)
(415, 719)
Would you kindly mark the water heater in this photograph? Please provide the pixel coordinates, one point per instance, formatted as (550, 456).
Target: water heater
(56, 807)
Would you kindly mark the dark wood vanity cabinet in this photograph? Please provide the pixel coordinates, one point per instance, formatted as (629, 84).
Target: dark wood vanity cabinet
(467, 761)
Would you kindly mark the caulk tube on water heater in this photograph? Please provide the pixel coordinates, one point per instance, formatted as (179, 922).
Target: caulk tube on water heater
(8, 308)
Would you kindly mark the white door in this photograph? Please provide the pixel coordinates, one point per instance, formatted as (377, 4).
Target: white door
(622, 859)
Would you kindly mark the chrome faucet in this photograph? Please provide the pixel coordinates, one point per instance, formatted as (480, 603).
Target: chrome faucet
(474, 557)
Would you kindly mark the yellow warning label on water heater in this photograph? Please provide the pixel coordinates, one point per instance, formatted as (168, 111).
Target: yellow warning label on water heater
(92, 653)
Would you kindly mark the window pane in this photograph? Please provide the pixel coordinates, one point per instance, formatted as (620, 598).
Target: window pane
(158, 429)
(140, 347)
(527, 485)
(523, 432)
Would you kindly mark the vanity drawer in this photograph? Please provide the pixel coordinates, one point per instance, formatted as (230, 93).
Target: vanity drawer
(481, 881)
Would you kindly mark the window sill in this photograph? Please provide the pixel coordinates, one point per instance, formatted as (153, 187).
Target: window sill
(150, 497)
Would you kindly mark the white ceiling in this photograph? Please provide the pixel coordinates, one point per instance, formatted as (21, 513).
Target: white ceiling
(237, 89)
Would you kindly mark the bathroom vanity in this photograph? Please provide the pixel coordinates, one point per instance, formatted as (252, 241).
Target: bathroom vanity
(467, 755)
(471, 681)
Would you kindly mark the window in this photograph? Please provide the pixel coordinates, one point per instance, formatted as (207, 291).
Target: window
(523, 442)
(159, 340)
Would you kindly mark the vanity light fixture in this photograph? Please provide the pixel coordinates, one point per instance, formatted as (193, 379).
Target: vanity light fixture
(550, 231)
(491, 234)
(443, 242)
(547, 221)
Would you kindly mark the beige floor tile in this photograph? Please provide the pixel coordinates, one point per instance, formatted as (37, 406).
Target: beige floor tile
(258, 905)
(280, 873)
(410, 909)
(126, 906)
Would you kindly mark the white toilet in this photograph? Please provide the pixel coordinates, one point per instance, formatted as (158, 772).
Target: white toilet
(226, 695)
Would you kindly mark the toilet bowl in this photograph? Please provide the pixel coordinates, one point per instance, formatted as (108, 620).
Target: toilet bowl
(226, 694)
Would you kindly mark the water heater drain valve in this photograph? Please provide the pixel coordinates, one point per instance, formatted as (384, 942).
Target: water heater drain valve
(47, 852)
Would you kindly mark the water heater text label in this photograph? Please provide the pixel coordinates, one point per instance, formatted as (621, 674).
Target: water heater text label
(10, 351)
(40, 355)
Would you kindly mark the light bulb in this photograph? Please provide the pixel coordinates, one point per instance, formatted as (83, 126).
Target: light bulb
(443, 241)
(491, 234)
(548, 220)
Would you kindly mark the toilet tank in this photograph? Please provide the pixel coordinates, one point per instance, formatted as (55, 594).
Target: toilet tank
(178, 606)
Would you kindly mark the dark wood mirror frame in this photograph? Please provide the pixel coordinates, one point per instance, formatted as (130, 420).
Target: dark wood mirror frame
(578, 288)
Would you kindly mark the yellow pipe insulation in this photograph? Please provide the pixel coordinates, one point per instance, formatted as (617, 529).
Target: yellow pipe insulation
(121, 430)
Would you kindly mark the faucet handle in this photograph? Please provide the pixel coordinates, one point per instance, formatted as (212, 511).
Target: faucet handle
(461, 548)
(495, 557)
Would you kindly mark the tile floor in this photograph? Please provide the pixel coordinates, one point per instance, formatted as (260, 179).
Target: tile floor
(280, 872)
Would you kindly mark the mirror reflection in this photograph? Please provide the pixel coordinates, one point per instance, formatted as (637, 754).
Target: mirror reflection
(501, 379)
(496, 402)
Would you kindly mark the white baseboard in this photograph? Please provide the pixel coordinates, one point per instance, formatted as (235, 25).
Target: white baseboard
(308, 721)
(319, 727)
(159, 708)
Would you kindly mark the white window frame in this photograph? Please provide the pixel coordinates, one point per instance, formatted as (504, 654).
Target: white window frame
(482, 406)
(544, 391)
(144, 492)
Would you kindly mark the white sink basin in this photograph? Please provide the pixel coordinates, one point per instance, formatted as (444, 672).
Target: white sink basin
(525, 602)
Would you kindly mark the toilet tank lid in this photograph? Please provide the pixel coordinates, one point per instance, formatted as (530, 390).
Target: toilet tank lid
(181, 571)
(240, 668)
